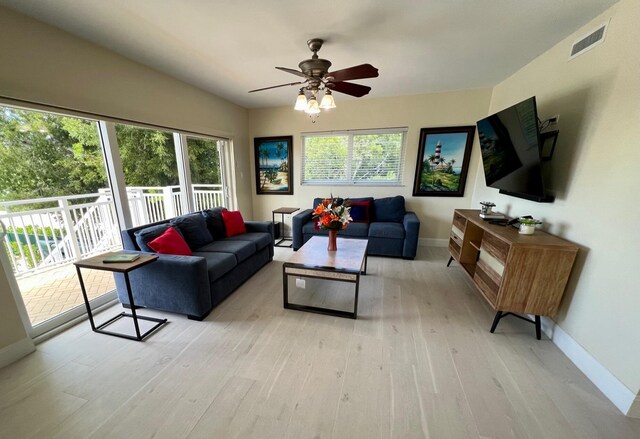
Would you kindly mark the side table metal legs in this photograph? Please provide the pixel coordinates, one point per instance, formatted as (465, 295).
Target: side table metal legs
(133, 315)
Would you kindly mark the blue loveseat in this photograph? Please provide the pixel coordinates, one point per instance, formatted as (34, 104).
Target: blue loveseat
(193, 285)
(390, 229)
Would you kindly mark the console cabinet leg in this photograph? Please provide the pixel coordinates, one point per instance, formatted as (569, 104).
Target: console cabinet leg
(450, 259)
(538, 327)
(496, 320)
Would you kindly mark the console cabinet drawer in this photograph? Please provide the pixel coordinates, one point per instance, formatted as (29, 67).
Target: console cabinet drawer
(459, 221)
(495, 247)
(488, 281)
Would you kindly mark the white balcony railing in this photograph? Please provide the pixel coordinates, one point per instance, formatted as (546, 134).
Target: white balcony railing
(47, 232)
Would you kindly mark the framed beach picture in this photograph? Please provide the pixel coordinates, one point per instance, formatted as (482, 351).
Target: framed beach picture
(274, 165)
(443, 161)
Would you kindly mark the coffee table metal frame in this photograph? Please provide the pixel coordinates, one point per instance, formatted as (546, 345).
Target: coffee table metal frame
(96, 263)
(327, 273)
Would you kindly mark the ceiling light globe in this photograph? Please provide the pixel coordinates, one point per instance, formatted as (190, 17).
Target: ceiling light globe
(327, 102)
(301, 102)
(312, 106)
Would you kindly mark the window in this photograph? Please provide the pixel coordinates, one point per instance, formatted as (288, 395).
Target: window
(372, 157)
(205, 163)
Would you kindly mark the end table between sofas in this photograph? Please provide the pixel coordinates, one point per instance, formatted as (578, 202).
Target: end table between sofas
(283, 211)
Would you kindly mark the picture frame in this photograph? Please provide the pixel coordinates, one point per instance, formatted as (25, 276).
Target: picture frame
(439, 151)
(273, 158)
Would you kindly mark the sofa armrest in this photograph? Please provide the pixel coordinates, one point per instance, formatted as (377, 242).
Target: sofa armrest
(259, 226)
(172, 283)
(411, 233)
(297, 221)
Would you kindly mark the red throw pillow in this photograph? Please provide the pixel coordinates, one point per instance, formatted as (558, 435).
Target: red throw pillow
(359, 211)
(170, 243)
(233, 222)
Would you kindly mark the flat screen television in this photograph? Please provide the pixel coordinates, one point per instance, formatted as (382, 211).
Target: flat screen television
(510, 147)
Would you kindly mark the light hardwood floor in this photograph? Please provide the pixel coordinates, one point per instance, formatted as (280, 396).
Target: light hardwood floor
(418, 362)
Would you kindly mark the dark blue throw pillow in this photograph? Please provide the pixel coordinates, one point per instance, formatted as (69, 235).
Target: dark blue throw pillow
(193, 228)
(215, 224)
(359, 211)
(389, 209)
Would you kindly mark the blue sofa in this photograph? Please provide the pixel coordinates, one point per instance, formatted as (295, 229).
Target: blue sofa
(391, 230)
(193, 285)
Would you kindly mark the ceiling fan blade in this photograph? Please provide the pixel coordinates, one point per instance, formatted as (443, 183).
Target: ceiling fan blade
(276, 86)
(292, 71)
(349, 88)
(356, 72)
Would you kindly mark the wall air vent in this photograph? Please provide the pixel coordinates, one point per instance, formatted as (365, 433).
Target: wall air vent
(589, 42)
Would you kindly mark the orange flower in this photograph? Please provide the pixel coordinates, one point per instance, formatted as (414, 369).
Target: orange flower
(319, 209)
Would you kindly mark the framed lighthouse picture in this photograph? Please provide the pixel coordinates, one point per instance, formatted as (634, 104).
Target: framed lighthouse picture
(443, 161)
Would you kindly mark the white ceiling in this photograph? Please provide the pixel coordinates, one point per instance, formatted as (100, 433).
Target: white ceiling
(228, 47)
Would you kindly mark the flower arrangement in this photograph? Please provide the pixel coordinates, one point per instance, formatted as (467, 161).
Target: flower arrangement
(332, 214)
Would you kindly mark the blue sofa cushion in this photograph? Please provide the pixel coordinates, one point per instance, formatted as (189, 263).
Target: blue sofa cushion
(194, 230)
(386, 230)
(241, 249)
(353, 229)
(148, 234)
(215, 224)
(259, 239)
(218, 264)
(390, 209)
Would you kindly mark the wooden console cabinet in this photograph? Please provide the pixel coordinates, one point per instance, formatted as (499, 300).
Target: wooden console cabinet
(517, 274)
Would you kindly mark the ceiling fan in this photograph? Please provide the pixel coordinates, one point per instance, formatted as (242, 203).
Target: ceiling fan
(317, 77)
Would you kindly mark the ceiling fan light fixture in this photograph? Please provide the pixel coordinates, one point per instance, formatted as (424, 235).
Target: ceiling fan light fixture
(327, 100)
(301, 102)
(312, 106)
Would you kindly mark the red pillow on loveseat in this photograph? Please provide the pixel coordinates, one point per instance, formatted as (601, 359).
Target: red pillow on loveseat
(233, 223)
(170, 243)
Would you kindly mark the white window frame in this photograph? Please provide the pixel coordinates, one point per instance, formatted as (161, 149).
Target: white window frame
(351, 134)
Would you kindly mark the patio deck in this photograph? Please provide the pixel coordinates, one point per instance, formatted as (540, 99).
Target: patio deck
(49, 293)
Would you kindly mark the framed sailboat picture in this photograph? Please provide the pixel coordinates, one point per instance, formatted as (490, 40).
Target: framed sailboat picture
(274, 165)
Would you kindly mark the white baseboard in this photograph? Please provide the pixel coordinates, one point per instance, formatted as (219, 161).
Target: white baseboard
(15, 351)
(431, 242)
(623, 398)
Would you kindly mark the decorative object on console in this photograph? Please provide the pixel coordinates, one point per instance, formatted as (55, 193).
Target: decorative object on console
(528, 225)
(443, 161)
(487, 213)
(486, 207)
(332, 215)
(273, 157)
(319, 79)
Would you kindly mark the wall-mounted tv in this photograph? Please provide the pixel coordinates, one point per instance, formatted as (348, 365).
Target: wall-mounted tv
(510, 147)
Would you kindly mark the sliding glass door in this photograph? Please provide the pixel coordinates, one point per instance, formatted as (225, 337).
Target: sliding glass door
(53, 205)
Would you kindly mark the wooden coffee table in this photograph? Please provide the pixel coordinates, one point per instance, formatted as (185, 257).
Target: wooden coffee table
(314, 261)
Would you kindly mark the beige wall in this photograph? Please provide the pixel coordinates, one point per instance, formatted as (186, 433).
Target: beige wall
(43, 64)
(415, 112)
(595, 176)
